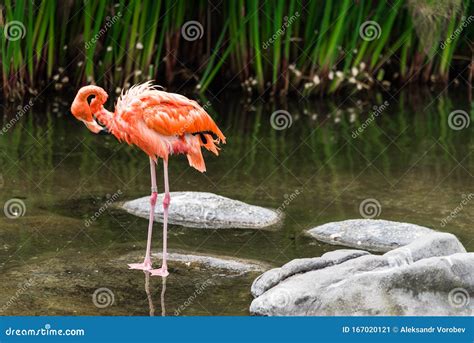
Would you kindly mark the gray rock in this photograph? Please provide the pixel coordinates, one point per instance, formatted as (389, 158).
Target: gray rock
(301, 265)
(231, 265)
(205, 210)
(370, 234)
(436, 244)
(431, 276)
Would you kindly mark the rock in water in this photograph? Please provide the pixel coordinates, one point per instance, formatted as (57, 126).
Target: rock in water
(205, 210)
(301, 265)
(370, 234)
(432, 276)
(230, 265)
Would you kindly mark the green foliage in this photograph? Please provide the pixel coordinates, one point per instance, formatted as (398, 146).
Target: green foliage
(267, 45)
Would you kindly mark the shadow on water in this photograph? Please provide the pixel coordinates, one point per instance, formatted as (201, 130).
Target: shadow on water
(326, 159)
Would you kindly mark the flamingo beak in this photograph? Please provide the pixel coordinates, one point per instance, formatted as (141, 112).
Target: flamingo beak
(93, 126)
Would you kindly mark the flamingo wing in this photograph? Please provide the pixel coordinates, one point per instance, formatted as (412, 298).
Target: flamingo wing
(175, 115)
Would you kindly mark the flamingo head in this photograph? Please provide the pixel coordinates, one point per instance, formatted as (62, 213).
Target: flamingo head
(85, 111)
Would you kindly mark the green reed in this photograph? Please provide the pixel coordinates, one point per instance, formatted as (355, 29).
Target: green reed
(264, 46)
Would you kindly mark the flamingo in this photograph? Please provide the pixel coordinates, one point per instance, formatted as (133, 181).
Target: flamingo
(160, 124)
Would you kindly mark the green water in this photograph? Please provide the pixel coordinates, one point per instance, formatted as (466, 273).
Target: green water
(408, 159)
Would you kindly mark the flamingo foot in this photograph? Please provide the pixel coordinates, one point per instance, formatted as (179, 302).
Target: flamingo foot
(160, 272)
(146, 265)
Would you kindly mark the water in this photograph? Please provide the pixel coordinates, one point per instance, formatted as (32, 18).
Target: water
(52, 261)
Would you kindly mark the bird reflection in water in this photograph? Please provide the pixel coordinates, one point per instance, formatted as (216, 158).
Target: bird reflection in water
(149, 297)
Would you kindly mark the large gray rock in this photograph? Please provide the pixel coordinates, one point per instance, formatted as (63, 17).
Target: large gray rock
(431, 276)
(370, 234)
(272, 277)
(205, 210)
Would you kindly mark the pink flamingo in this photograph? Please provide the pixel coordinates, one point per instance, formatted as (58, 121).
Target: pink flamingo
(160, 124)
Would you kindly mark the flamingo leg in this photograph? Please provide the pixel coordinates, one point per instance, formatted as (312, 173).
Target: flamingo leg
(163, 271)
(146, 265)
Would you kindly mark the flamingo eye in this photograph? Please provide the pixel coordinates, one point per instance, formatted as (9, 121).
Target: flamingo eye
(90, 98)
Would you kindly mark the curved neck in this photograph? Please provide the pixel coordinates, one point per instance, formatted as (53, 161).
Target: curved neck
(97, 104)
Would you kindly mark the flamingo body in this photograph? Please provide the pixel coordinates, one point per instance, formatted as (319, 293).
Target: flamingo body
(159, 123)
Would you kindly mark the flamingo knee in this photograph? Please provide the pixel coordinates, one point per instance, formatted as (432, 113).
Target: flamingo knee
(153, 197)
(166, 200)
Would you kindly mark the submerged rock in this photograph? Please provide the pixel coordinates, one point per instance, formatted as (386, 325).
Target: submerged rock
(205, 210)
(231, 265)
(431, 276)
(370, 234)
